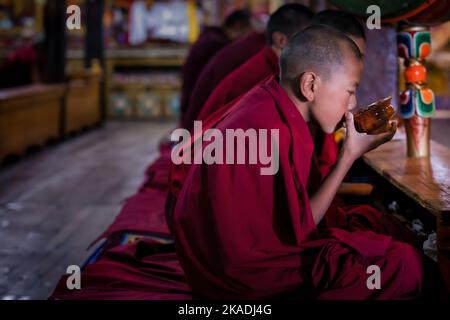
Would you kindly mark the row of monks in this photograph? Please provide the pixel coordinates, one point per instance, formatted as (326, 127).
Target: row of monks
(225, 231)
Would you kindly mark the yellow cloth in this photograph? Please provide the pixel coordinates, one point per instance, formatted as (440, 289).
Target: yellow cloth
(194, 28)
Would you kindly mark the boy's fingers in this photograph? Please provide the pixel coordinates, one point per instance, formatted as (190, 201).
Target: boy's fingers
(349, 124)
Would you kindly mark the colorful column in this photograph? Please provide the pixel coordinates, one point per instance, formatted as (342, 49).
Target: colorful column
(417, 103)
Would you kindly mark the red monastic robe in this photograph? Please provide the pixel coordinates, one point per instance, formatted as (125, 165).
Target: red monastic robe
(143, 270)
(240, 234)
(225, 61)
(210, 41)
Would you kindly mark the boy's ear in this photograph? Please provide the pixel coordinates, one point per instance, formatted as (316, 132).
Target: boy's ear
(279, 39)
(308, 85)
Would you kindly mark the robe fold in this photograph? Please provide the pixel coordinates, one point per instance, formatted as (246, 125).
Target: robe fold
(157, 172)
(210, 41)
(144, 270)
(240, 234)
(225, 61)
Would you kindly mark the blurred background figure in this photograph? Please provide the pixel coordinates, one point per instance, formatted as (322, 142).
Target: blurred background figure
(210, 41)
(23, 65)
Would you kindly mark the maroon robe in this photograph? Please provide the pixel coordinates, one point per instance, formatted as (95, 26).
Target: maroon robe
(224, 62)
(262, 65)
(144, 270)
(240, 234)
(210, 41)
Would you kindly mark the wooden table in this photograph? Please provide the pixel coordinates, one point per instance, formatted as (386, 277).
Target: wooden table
(424, 180)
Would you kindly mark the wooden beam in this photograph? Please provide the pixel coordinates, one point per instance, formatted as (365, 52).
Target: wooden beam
(55, 40)
(94, 32)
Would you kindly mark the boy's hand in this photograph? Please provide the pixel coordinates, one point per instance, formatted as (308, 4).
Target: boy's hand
(356, 144)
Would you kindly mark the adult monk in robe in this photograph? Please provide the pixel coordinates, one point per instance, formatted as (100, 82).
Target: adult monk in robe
(265, 64)
(210, 41)
(225, 61)
(241, 234)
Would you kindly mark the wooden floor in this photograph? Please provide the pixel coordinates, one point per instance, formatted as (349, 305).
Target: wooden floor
(54, 202)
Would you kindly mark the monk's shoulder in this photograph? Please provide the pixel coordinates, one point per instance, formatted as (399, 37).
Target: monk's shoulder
(256, 110)
(248, 70)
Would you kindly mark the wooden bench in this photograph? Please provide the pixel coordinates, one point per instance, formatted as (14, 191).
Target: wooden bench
(82, 102)
(34, 114)
(29, 116)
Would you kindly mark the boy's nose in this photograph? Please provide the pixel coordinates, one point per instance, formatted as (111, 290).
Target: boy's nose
(352, 105)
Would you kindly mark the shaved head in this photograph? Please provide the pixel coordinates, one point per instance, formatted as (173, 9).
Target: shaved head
(320, 49)
(238, 19)
(288, 19)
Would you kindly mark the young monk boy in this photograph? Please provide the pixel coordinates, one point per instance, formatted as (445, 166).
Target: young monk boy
(241, 234)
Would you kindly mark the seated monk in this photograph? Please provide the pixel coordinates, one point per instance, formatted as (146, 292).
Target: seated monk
(283, 23)
(225, 61)
(210, 41)
(243, 234)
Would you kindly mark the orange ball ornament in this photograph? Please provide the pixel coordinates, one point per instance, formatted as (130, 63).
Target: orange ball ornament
(415, 73)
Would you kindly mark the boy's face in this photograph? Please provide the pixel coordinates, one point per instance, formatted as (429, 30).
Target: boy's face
(337, 94)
